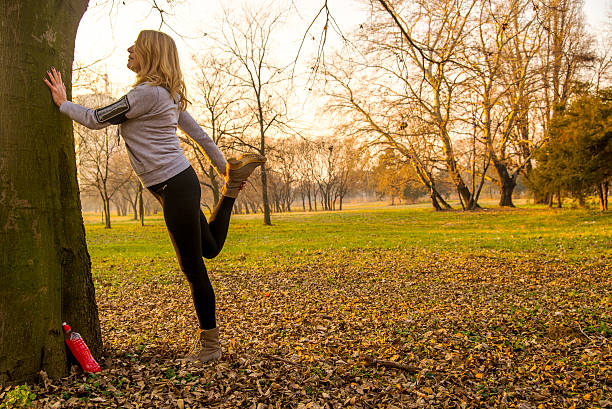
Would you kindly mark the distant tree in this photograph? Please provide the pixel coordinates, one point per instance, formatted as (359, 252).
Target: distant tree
(350, 168)
(248, 42)
(305, 167)
(130, 193)
(284, 157)
(335, 167)
(217, 92)
(577, 158)
(101, 158)
(396, 178)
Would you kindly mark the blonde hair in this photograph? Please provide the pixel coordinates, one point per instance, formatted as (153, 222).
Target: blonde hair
(159, 64)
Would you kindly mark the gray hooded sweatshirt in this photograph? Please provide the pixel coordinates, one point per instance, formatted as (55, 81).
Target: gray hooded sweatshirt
(148, 119)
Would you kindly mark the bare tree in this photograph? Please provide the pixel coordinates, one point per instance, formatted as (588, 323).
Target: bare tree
(101, 158)
(285, 156)
(566, 50)
(411, 85)
(248, 41)
(219, 94)
(381, 114)
(500, 58)
(350, 169)
(306, 151)
(442, 28)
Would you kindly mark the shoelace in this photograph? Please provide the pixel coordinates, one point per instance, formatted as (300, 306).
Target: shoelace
(198, 344)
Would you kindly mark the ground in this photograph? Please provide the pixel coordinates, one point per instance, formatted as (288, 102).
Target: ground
(367, 308)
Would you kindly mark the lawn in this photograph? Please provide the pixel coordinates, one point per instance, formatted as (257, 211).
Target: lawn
(383, 307)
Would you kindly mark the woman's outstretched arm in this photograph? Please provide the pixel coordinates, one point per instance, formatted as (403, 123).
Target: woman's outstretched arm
(188, 125)
(135, 103)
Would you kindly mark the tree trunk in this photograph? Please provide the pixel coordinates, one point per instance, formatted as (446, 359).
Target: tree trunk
(451, 165)
(434, 202)
(140, 204)
(600, 195)
(134, 205)
(506, 188)
(264, 196)
(46, 270)
(214, 186)
(437, 201)
(309, 201)
(107, 219)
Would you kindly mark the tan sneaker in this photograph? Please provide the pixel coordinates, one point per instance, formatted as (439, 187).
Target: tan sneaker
(207, 347)
(238, 170)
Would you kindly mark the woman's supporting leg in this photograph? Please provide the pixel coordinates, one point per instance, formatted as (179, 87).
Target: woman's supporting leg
(180, 199)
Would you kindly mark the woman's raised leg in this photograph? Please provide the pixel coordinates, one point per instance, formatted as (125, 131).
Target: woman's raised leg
(214, 232)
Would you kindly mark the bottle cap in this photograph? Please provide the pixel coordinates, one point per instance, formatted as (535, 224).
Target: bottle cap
(66, 326)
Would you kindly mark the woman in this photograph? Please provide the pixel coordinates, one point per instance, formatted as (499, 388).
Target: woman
(148, 117)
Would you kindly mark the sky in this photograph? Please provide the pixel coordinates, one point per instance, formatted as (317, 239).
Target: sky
(104, 35)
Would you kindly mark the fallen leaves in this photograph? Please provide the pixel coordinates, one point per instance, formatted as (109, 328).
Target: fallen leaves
(359, 328)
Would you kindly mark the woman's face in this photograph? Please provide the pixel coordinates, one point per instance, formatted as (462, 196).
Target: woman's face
(133, 63)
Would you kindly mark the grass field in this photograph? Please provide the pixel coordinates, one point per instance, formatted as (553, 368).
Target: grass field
(382, 307)
(558, 233)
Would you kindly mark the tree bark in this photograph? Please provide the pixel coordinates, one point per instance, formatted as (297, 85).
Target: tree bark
(264, 195)
(46, 269)
(107, 219)
(134, 205)
(140, 204)
(506, 186)
(214, 186)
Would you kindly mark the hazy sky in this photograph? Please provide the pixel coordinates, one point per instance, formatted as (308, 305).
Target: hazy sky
(102, 35)
(106, 35)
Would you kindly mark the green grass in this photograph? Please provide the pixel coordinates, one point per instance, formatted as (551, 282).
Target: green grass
(569, 234)
(483, 304)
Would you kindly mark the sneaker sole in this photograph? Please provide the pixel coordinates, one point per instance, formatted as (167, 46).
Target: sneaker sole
(248, 159)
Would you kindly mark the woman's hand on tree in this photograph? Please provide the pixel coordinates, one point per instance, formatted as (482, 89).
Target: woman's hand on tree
(57, 87)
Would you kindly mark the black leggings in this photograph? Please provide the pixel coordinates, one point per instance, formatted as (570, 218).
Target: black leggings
(193, 237)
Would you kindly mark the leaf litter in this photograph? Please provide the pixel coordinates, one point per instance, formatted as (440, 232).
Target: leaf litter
(359, 328)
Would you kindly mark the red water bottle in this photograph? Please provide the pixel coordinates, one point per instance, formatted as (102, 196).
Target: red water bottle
(79, 350)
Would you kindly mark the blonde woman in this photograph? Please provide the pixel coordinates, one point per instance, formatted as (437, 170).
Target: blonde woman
(148, 117)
